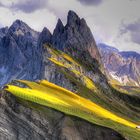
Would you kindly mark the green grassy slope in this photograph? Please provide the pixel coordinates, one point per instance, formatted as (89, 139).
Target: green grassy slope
(118, 111)
(48, 94)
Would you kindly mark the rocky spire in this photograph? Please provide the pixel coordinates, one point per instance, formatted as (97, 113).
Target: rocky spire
(58, 35)
(76, 35)
(72, 18)
(44, 37)
(21, 28)
(19, 24)
(3, 31)
(59, 27)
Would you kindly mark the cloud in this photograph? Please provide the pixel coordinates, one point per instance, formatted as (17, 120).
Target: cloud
(133, 29)
(91, 2)
(7, 3)
(1, 4)
(36, 20)
(27, 6)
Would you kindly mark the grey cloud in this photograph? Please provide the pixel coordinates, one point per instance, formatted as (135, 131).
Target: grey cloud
(1, 5)
(133, 29)
(89, 2)
(132, 0)
(29, 6)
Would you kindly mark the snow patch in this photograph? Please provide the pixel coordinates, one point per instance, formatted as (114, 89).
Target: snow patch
(114, 76)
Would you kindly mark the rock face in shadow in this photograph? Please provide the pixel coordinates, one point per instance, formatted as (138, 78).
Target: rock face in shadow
(75, 38)
(21, 48)
(19, 55)
(21, 120)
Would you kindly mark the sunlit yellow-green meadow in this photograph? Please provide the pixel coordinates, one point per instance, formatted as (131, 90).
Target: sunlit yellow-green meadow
(56, 97)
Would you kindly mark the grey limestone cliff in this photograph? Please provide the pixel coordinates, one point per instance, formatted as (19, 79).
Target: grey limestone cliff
(19, 54)
(21, 120)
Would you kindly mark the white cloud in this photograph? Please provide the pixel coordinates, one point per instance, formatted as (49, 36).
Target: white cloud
(91, 2)
(8, 2)
(37, 20)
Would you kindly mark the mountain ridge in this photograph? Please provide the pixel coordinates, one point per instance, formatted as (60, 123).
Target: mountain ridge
(122, 66)
(29, 44)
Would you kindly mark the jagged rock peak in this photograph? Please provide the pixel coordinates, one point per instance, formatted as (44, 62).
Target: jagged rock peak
(75, 35)
(46, 32)
(3, 31)
(59, 27)
(59, 23)
(44, 37)
(22, 26)
(18, 24)
(72, 18)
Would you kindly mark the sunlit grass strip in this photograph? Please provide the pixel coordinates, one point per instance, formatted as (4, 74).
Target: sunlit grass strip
(60, 58)
(87, 81)
(61, 54)
(53, 96)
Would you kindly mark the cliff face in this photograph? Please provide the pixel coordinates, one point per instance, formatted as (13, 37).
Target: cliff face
(75, 37)
(24, 120)
(20, 58)
(21, 48)
(122, 66)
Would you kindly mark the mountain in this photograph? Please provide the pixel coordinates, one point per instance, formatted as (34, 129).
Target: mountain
(53, 88)
(130, 54)
(124, 67)
(21, 47)
(75, 36)
(70, 39)
(20, 58)
(92, 99)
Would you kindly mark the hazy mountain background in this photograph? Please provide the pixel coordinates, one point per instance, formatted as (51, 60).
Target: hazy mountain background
(124, 67)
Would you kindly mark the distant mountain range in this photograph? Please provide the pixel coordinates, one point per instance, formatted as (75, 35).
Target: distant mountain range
(124, 67)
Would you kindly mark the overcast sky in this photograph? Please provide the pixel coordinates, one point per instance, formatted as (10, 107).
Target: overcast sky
(114, 22)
